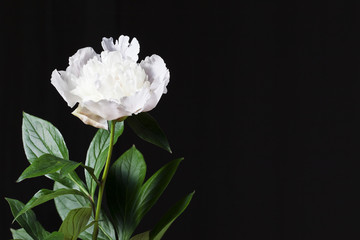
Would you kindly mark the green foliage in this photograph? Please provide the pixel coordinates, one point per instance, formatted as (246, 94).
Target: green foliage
(151, 191)
(41, 137)
(27, 221)
(65, 203)
(55, 236)
(45, 195)
(129, 197)
(46, 164)
(165, 222)
(20, 234)
(141, 236)
(146, 127)
(123, 186)
(75, 223)
(97, 153)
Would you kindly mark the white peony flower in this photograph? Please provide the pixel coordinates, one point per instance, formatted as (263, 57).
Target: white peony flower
(111, 85)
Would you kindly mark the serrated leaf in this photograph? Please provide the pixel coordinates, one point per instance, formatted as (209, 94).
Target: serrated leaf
(124, 181)
(165, 222)
(141, 236)
(155, 186)
(20, 234)
(55, 236)
(97, 153)
(41, 137)
(46, 164)
(27, 220)
(45, 195)
(75, 223)
(65, 203)
(146, 127)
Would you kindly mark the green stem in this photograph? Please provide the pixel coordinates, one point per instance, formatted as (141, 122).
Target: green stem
(80, 187)
(103, 180)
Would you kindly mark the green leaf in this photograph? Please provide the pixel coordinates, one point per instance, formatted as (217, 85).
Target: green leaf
(27, 220)
(41, 137)
(45, 195)
(55, 236)
(89, 225)
(97, 153)
(46, 164)
(141, 236)
(75, 223)
(90, 171)
(146, 127)
(155, 186)
(20, 234)
(165, 222)
(106, 232)
(65, 203)
(124, 182)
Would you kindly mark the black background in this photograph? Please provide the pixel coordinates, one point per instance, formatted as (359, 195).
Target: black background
(263, 103)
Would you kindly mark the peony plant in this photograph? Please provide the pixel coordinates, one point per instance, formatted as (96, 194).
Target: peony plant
(110, 89)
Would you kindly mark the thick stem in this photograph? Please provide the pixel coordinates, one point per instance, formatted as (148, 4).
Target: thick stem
(103, 181)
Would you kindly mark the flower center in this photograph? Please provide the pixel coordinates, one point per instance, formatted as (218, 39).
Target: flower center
(110, 77)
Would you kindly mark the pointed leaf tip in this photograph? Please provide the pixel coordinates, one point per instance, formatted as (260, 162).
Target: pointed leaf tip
(146, 127)
(126, 175)
(27, 221)
(47, 164)
(172, 214)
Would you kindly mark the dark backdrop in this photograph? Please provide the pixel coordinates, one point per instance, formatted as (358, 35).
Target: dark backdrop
(263, 104)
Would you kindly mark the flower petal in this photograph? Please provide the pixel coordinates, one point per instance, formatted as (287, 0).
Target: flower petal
(136, 103)
(63, 85)
(63, 80)
(159, 76)
(90, 118)
(128, 50)
(79, 59)
(111, 110)
(106, 109)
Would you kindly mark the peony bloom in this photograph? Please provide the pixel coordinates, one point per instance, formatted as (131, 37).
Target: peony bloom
(111, 85)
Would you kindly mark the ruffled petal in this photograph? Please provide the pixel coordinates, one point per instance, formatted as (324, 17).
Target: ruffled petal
(96, 108)
(111, 110)
(128, 50)
(79, 59)
(158, 76)
(107, 109)
(64, 85)
(90, 118)
(136, 103)
(63, 80)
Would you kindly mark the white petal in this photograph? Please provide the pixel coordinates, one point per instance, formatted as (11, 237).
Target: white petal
(106, 109)
(79, 59)
(63, 85)
(90, 118)
(62, 80)
(136, 102)
(111, 110)
(108, 44)
(159, 77)
(128, 50)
